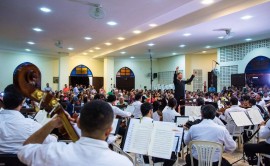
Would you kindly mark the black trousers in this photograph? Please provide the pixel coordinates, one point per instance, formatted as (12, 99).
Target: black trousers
(181, 101)
(224, 162)
(251, 150)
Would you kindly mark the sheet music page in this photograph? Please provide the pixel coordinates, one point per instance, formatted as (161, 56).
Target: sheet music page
(177, 139)
(193, 111)
(130, 108)
(114, 126)
(162, 140)
(255, 116)
(138, 136)
(180, 121)
(41, 117)
(240, 119)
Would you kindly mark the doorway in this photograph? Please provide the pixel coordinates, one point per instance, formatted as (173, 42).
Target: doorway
(125, 79)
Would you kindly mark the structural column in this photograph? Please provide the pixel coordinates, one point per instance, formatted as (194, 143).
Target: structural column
(109, 75)
(63, 72)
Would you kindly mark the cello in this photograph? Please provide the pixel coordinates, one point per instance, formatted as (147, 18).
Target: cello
(27, 79)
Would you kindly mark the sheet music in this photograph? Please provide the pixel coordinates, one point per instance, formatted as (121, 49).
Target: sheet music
(114, 125)
(130, 108)
(162, 141)
(240, 119)
(138, 136)
(255, 116)
(193, 111)
(181, 120)
(178, 139)
(41, 117)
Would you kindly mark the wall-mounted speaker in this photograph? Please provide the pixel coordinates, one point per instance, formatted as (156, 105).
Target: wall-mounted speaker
(154, 75)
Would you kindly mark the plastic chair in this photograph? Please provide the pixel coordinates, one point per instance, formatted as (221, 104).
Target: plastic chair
(10, 160)
(206, 151)
(236, 132)
(260, 158)
(117, 149)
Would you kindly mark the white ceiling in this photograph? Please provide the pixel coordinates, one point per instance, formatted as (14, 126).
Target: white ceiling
(70, 22)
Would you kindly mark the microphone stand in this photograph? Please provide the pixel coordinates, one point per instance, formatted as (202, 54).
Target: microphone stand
(151, 72)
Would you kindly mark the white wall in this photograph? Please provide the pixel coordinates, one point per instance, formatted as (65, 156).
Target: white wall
(170, 63)
(141, 68)
(10, 60)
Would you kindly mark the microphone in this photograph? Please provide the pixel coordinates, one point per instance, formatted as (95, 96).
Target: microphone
(216, 62)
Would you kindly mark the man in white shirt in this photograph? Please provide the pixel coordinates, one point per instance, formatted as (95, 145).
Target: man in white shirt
(48, 88)
(14, 127)
(76, 90)
(91, 149)
(265, 96)
(259, 100)
(208, 130)
(137, 105)
(111, 99)
(262, 147)
(169, 112)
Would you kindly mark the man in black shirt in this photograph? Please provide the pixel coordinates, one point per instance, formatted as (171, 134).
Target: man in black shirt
(179, 85)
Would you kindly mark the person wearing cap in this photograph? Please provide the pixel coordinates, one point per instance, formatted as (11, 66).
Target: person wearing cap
(14, 127)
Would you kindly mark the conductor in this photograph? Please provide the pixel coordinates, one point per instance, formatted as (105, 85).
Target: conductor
(179, 85)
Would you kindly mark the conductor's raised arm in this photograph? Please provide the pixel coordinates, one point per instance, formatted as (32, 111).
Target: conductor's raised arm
(175, 75)
(190, 79)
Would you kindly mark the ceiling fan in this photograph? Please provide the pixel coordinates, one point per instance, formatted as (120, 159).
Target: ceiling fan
(96, 10)
(228, 33)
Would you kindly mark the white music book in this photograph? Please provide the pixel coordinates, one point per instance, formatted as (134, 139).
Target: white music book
(194, 111)
(154, 139)
(181, 120)
(255, 116)
(130, 108)
(41, 117)
(240, 119)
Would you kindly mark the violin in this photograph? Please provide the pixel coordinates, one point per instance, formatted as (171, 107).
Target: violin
(27, 78)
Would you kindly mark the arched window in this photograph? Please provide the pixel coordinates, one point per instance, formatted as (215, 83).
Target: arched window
(125, 72)
(260, 64)
(81, 70)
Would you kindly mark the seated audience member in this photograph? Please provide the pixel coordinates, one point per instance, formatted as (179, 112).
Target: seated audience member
(117, 111)
(262, 147)
(70, 107)
(208, 130)
(14, 127)
(265, 96)
(207, 98)
(122, 101)
(169, 112)
(137, 104)
(91, 149)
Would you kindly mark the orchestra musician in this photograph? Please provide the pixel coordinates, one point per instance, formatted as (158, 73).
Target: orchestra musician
(262, 147)
(95, 123)
(179, 85)
(137, 104)
(14, 127)
(208, 130)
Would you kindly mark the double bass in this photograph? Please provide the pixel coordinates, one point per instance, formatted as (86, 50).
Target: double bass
(27, 79)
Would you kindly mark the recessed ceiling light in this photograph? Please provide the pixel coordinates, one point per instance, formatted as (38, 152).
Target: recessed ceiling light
(112, 23)
(247, 17)
(70, 48)
(248, 39)
(123, 52)
(31, 43)
(221, 37)
(97, 48)
(204, 52)
(46, 10)
(91, 51)
(37, 29)
(108, 44)
(121, 38)
(207, 46)
(151, 44)
(182, 45)
(87, 38)
(132, 57)
(84, 53)
(174, 53)
(206, 2)
(152, 25)
(137, 31)
(27, 49)
(186, 34)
